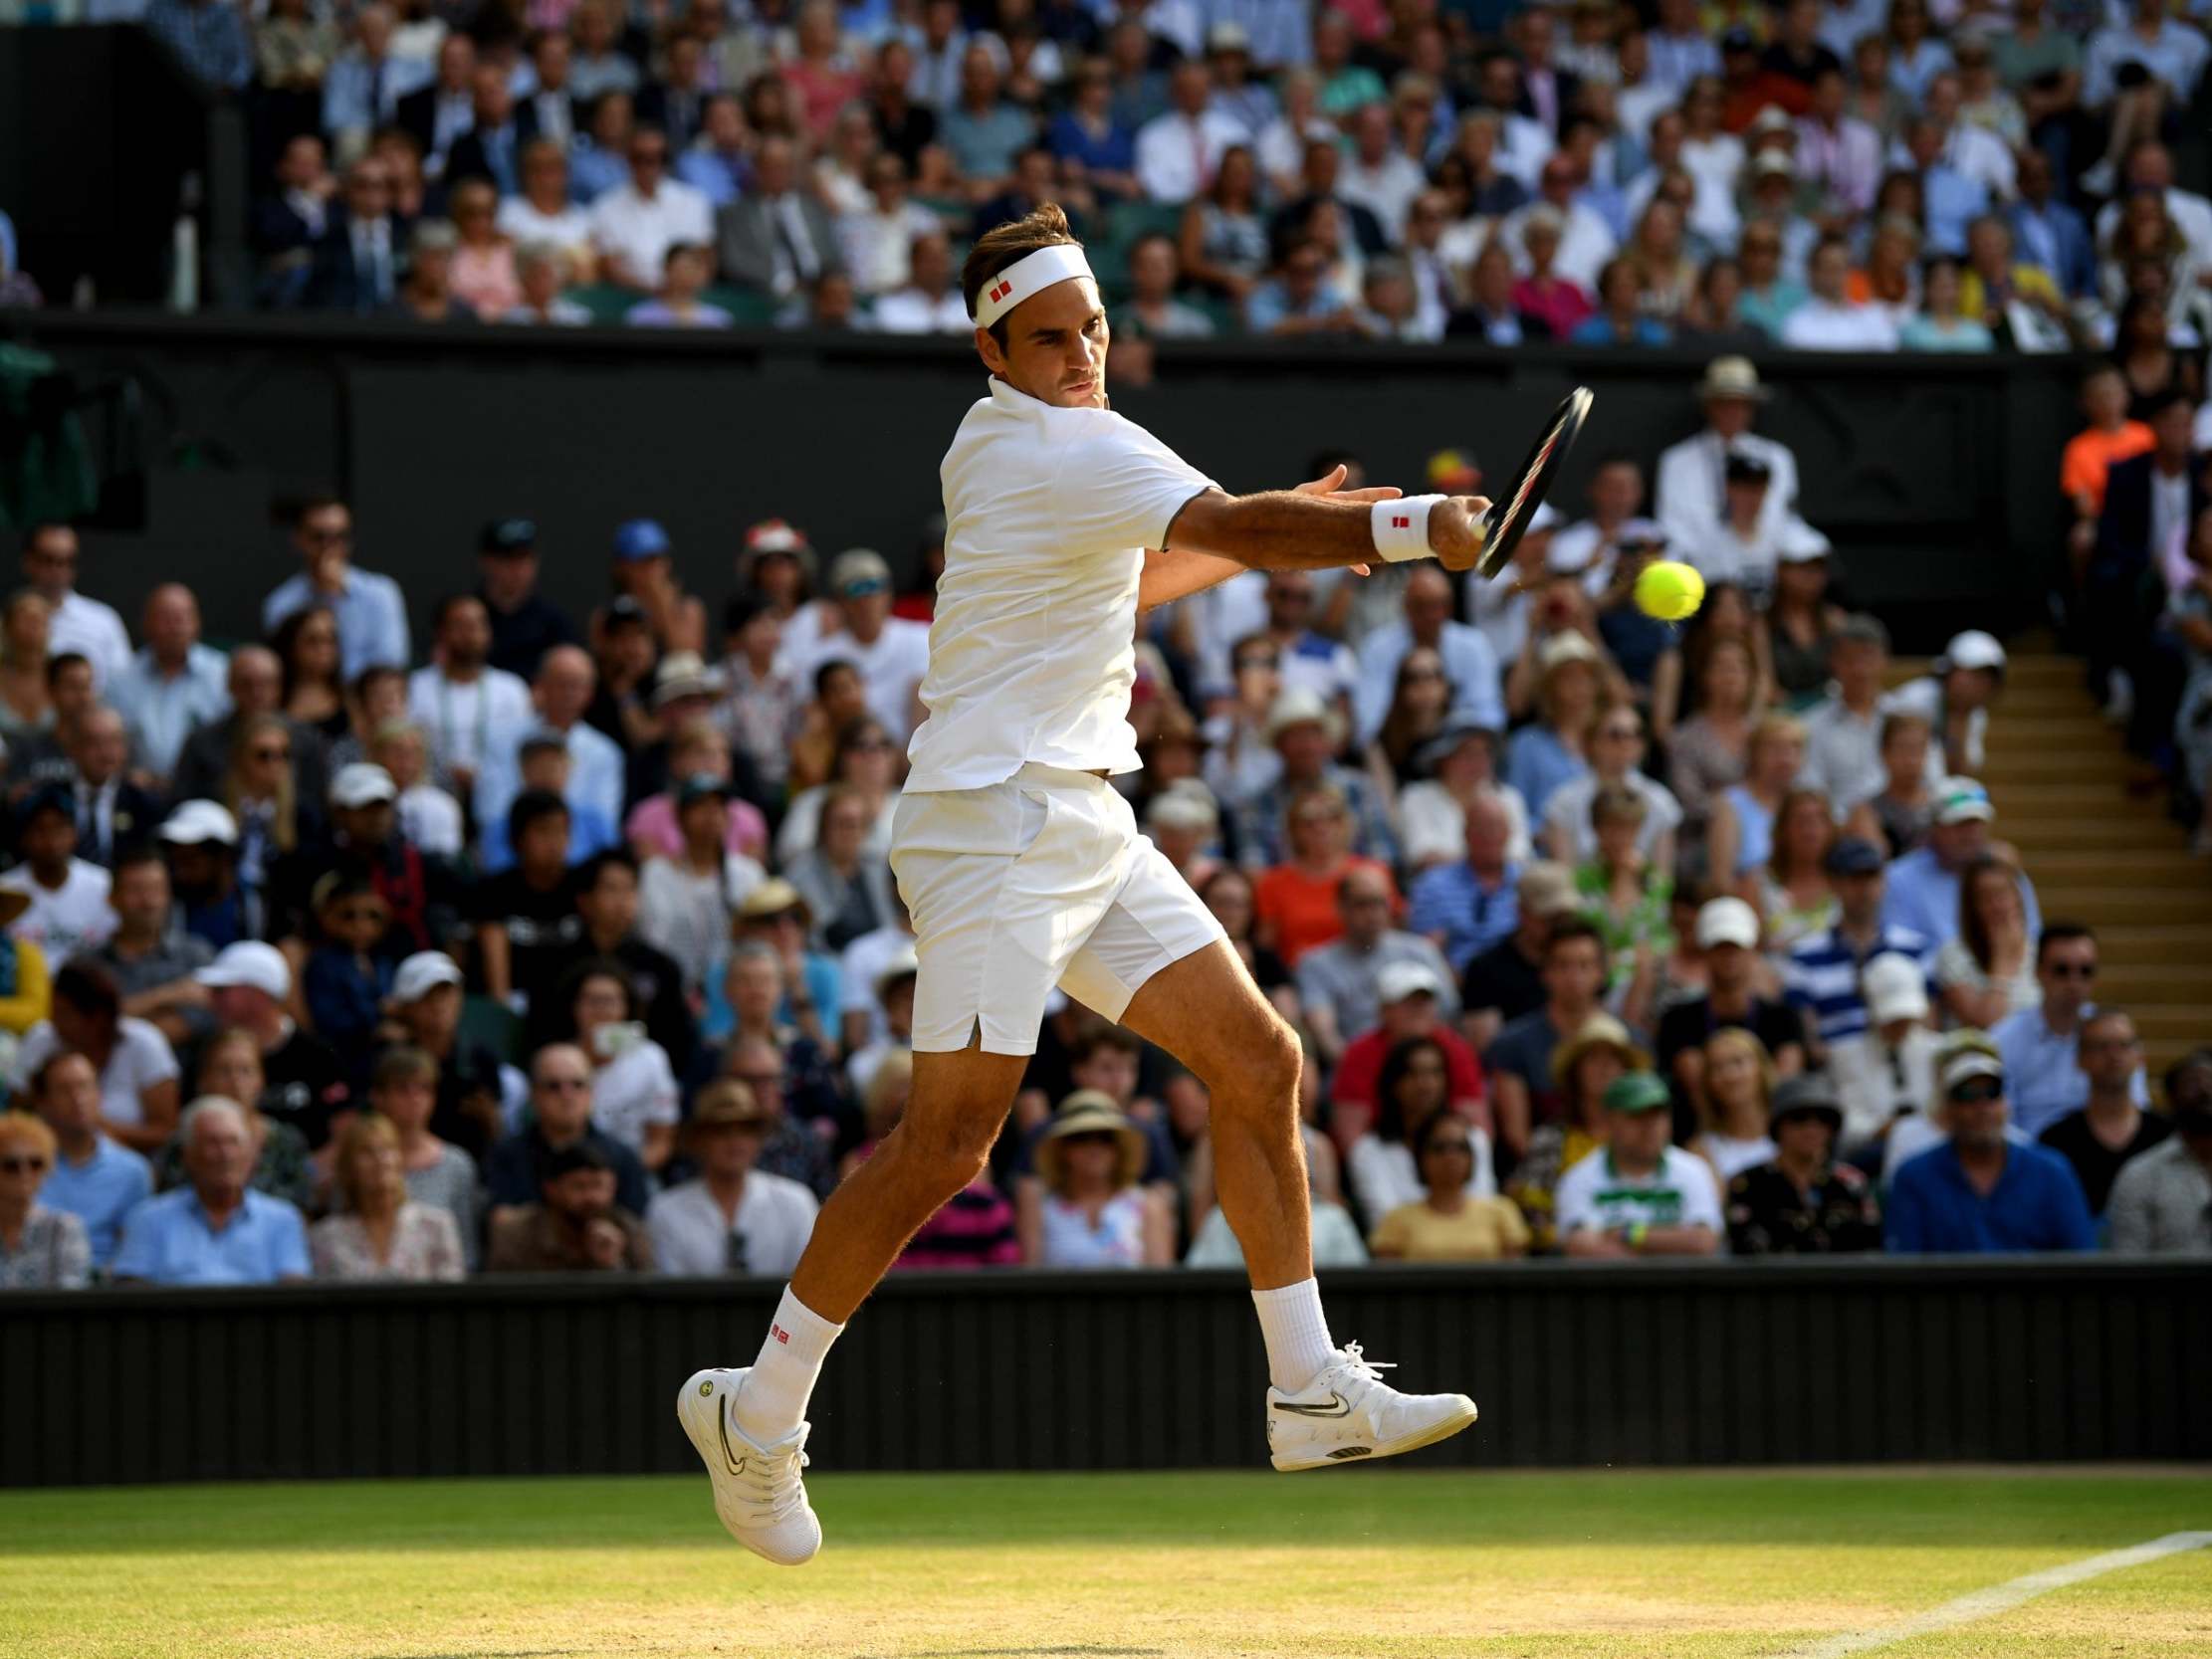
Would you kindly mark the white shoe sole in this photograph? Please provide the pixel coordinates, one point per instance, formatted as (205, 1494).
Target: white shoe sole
(1338, 1456)
(701, 1415)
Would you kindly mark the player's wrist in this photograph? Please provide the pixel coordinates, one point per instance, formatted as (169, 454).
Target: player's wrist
(1400, 526)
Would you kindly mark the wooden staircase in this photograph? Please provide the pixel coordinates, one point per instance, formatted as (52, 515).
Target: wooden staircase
(2100, 856)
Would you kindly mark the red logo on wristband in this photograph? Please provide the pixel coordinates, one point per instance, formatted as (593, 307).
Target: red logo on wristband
(1400, 523)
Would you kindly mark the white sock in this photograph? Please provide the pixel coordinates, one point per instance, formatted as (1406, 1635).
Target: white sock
(1297, 1335)
(773, 1402)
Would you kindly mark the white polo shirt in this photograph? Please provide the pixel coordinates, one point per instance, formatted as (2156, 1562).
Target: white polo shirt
(1048, 515)
(643, 229)
(890, 666)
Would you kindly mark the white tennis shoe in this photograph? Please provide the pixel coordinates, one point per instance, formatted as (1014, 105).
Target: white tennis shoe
(759, 1491)
(1349, 1414)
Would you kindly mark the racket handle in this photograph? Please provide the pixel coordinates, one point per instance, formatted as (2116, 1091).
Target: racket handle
(1492, 560)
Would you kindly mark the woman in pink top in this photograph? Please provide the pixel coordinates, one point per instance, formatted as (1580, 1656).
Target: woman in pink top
(651, 828)
(821, 78)
(483, 263)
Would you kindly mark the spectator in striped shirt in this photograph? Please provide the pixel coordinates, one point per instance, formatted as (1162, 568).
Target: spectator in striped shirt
(1820, 979)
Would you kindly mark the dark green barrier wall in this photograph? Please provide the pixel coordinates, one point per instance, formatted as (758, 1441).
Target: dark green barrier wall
(1572, 1363)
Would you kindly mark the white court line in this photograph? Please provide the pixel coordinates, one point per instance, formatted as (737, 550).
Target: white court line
(1998, 1598)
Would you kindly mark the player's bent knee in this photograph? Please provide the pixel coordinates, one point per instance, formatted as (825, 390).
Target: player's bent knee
(1260, 1073)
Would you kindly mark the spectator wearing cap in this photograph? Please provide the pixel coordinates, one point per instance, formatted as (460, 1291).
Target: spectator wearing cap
(1820, 977)
(2041, 1045)
(77, 624)
(460, 698)
(562, 692)
(1802, 1201)
(249, 985)
(1888, 1069)
(1728, 935)
(1527, 1087)
(67, 909)
(199, 840)
(1459, 764)
(1843, 730)
(1469, 663)
(682, 741)
(607, 889)
(2160, 1202)
(90, 1175)
(423, 893)
(1409, 996)
(1980, 1190)
(1339, 983)
(371, 611)
(1923, 884)
(891, 652)
(1641, 1196)
(575, 1224)
(1305, 736)
(760, 697)
(1689, 494)
(686, 903)
(1506, 982)
(216, 1230)
(2111, 1127)
(732, 1217)
(174, 684)
(644, 570)
(524, 626)
(1956, 697)
(152, 955)
(477, 1096)
(559, 1121)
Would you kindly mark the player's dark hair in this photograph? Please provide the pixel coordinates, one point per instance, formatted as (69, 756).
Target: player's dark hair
(2060, 933)
(1000, 246)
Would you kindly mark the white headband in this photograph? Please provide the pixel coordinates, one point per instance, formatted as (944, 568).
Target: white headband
(1027, 275)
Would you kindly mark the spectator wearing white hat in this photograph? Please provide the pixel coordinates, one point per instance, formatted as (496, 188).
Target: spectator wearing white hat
(249, 985)
(479, 1097)
(1886, 1070)
(892, 653)
(1305, 734)
(1955, 697)
(1469, 661)
(1409, 995)
(1923, 890)
(1186, 825)
(200, 841)
(1690, 490)
(1728, 933)
(1340, 984)
(425, 893)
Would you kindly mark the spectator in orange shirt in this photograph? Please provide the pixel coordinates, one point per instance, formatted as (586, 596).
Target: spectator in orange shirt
(2089, 456)
(1295, 901)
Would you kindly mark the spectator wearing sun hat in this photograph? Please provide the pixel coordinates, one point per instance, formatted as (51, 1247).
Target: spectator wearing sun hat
(732, 1217)
(1088, 1208)
(1802, 1201)
(1305, 734)
(1690, 489)
(1886, 1070)
(1955, 697)
(1641, 1196)
(1923, 884)
(891, 652)
(1981, 1189)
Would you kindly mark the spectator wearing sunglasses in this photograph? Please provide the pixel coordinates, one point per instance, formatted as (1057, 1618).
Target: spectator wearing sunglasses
(2041, 1045)
(2111, 1129)
(41, 1249)
(1980, 1190)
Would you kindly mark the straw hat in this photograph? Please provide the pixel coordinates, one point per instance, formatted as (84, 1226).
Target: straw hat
(1088, 1111)
(1598, 1031)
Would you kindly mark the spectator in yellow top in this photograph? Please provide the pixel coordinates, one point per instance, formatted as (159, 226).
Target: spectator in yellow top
(1444, 1224)
(26, 990)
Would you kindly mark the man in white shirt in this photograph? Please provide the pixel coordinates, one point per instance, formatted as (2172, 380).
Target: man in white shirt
(1177, 152)
(1377, 175)
(635, 224)
(2171, 51)
(1842, 731)
(86, 626)
(891, 652)
(597, 773)
(174, 684)
(1022, 868)
(1638, 1195)
(1830, 320)
(729, 1217)
(1690, 497)
(930, 303)
(459, 700)
(1972, 151)
(68, 910)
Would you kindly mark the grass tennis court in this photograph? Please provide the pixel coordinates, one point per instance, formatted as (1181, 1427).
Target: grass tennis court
(1351, 1563)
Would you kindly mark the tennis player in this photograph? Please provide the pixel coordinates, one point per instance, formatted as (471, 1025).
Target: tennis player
(1023, 869)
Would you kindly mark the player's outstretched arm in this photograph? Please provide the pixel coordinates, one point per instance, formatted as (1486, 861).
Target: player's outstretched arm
(1318, 526)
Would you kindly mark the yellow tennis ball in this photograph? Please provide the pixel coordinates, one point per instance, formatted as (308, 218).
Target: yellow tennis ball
(1669, 590)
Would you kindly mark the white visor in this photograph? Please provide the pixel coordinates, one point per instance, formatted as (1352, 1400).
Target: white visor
(1027, 275)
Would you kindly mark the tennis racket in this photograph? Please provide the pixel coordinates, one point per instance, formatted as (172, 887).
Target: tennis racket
(1507, 520)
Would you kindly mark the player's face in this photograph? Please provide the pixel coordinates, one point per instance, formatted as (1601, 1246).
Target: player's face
(1055, 347)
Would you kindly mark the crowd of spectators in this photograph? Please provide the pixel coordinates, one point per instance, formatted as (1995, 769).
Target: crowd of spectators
(1826, 174)
(559, 941)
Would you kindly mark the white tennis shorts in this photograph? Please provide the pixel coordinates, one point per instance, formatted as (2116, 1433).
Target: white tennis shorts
(1036, 882)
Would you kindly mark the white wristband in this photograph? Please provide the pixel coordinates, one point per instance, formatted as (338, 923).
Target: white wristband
(1402, 527)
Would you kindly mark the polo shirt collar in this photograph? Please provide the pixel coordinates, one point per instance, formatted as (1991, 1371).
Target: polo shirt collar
(249, 1208)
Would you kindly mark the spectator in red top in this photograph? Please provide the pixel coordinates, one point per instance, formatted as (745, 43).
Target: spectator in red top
(1409, 996)
(1295, 902)
(1748, 86)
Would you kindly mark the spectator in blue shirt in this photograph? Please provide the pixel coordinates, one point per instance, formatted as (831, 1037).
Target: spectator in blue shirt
(217, 1230)
(1087, 134)
(1467, 907)
(1980, 1192)
(1477, 685)
(1821, 974)
(371, 611)
(2041, 1045)
(1618, 320)
(96, 1180)
(2049, 233)
(1924, 883)
(1547, 751)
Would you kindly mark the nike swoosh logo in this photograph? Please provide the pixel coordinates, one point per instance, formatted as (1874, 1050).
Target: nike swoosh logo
(722, 1422)
(1335, 1405)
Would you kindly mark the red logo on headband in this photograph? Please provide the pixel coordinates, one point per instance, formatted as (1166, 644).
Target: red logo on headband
(1399, 521)
(1002, 290)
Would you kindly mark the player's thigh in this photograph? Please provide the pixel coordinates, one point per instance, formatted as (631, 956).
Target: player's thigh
(1204, 1010)
(957, 1100)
